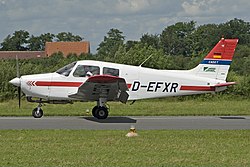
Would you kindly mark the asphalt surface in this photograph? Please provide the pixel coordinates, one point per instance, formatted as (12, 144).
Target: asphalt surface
(124, 123)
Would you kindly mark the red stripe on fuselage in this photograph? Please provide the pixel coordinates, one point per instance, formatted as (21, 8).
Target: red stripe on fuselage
(198, 88)
(59, 84)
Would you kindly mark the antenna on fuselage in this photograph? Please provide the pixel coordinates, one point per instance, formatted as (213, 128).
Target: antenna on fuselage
(146, 60)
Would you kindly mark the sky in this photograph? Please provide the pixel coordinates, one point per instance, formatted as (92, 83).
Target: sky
(92, 19)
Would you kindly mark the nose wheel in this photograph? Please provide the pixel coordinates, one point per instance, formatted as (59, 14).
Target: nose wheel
(37, 112)
(100, 112)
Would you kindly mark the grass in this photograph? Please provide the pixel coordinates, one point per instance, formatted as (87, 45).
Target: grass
(155, 107)
(112, 148)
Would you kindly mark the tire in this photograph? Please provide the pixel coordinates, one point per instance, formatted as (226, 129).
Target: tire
(94, 111)
(102, 113)
(37, 113)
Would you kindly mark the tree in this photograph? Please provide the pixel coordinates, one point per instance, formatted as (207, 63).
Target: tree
(204, 38)
(35, 43)
(236, 28)
(38, 43)
(17, 42)
(151, 40)
(47, 37)
(241, 60)
(111, 43)
(175, 39)
(130, 44)
(68, 36)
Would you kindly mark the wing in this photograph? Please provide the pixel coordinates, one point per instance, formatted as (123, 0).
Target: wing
(102, 86)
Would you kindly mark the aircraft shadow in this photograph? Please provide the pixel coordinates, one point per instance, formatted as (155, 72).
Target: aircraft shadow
(232, 117)
(111, 120)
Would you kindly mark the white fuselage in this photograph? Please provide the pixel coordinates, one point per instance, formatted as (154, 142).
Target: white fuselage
(142, 82)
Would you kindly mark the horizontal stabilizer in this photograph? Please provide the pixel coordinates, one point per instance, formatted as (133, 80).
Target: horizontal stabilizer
(222, 86)
(216, 88)
(225, 84)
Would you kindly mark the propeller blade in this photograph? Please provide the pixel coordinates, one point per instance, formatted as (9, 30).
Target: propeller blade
(19, 96)
(19, 87)
(17, 68)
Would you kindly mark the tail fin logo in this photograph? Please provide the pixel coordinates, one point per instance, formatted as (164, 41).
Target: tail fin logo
(209, 69)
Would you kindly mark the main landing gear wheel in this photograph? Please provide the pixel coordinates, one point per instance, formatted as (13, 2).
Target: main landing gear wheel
(100, 112)
(37, 112)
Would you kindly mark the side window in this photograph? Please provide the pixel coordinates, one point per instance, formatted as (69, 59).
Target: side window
(110, 71)
(84, 70)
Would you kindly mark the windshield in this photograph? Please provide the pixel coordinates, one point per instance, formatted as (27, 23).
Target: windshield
(66, 69)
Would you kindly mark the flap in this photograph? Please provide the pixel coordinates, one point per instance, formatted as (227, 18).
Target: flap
(102, 86)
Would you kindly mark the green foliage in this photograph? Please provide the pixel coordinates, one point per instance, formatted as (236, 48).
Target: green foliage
(204, 38)
(242, 88)
(175, 39)
(7, 72)
(16, 42)
(236, 28)
(241, 60)
(151, 40)
(109, 46)
(35, 43)
(68, 36)
(38, 43)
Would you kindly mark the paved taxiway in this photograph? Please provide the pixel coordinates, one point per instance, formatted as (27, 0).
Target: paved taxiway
(119, 123)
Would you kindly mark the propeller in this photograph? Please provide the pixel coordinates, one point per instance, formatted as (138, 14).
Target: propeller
(17, 82)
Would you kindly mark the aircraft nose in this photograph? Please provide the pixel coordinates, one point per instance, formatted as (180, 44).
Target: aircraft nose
(16, 82)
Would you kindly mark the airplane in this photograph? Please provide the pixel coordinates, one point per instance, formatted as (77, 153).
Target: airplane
(99, 81)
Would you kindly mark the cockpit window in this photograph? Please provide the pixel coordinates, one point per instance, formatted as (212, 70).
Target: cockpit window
(66, 69)
(84, 70)
(111, 71)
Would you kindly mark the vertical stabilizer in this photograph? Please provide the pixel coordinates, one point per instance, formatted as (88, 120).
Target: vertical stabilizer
(216, 64)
